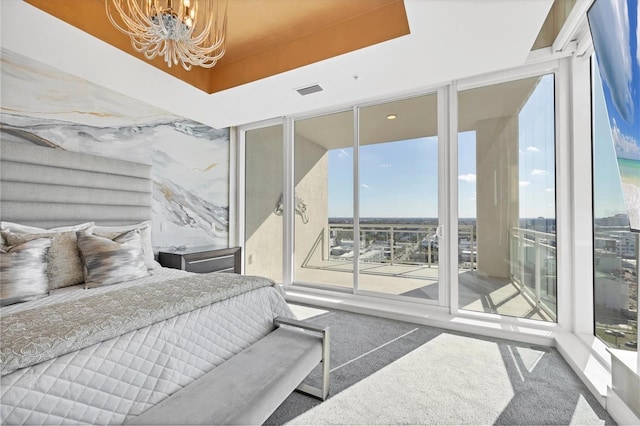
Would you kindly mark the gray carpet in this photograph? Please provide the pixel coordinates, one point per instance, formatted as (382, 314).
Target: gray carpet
(392, 372)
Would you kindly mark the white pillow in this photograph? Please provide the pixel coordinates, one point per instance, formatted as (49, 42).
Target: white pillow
(145, 238)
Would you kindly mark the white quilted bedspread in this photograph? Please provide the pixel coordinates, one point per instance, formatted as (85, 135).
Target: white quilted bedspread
(108, 382)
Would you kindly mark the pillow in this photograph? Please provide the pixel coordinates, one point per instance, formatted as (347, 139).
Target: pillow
(145, 237)
(65, 265)
(26, 229)
(23, 271)
(110, 261)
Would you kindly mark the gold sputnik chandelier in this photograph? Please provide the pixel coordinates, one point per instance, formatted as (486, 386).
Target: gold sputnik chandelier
(189, 32)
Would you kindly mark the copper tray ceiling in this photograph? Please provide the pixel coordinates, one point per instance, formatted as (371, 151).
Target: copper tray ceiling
(264, 37)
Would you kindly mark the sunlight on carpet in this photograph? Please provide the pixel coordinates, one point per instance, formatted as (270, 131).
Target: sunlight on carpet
(451, 379)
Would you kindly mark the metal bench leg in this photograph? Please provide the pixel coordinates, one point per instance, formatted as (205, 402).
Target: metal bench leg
(323, 391)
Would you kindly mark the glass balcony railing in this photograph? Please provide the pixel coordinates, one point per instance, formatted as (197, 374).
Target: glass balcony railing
(532, 257)
(399, 244)
(385, 243)
(533, 266)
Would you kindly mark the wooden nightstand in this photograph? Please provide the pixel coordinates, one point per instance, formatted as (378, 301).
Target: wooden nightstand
(203, 259)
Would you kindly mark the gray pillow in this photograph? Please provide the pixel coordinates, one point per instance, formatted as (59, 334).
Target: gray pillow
(110, 261)
(145, 238)
(65, 265)
(23, 271)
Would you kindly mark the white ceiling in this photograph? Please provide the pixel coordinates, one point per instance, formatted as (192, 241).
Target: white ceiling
(449, 40)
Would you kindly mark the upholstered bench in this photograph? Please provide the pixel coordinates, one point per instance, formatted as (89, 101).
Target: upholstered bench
(248, 388)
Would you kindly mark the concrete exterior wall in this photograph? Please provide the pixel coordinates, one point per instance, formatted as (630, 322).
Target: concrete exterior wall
(264, 177)
(312, 187)
(497, 193)
(263, 183)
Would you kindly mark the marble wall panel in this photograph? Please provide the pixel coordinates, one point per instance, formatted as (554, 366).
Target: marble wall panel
(190, 161)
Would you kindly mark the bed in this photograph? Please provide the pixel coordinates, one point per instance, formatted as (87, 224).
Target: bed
(107, 348)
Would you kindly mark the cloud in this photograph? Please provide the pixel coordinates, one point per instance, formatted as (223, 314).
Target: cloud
(549, 189)
(538, 172)
(469, 177)
(533, 149)
(610, 28)
(524, 183)
(342, 153)
(626, 146)
(365, 186)
(385, 166)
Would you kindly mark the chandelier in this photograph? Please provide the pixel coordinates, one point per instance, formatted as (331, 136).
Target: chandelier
(191, 32)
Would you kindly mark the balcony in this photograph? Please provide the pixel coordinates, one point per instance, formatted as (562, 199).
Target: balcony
(401, 259)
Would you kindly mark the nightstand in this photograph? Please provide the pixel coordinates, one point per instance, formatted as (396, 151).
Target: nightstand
(202, 259)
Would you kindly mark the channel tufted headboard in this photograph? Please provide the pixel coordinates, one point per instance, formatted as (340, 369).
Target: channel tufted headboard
(47, 187)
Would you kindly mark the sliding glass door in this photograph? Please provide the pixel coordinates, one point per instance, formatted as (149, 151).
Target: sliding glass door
(398, 198)
(369, 194)
(392, 241)
(506, 199)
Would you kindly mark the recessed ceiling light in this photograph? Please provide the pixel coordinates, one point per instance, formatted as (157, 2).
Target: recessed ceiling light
(391, 117)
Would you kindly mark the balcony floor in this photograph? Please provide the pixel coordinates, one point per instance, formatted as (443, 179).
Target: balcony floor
(476, 293)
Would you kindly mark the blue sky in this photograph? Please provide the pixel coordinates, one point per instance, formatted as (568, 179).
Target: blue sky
(400, 179)
(615, 32)
(397, 179)
(608, 197)
(614, 27)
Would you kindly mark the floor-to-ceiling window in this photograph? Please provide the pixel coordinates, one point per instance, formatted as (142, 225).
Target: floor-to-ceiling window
(367, 201)
(614, 246)
(506, 199)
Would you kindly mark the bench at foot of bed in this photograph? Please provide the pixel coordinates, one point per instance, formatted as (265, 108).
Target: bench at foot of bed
(249, 387)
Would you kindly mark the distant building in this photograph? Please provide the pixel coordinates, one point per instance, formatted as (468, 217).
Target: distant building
(617, 239)
(612, 293)
(621, 219)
